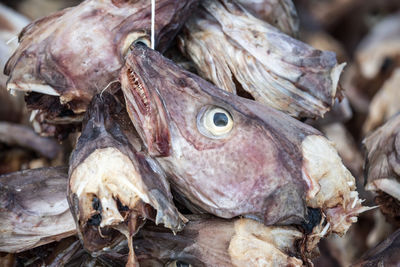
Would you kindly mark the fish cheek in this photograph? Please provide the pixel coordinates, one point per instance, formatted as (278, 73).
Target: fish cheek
(285, 206)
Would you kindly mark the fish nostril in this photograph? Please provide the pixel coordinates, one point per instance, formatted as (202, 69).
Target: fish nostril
(96, 204)
(121, 207)
(314, 217)
(95, 220)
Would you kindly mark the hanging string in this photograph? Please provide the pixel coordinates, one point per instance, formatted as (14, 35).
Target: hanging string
(153, 19)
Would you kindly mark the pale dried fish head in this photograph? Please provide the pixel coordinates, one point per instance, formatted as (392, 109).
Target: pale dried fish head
(34, 209)
(113, 187)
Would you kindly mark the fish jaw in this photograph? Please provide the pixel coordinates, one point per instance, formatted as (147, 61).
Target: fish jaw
(145, 109)
(332, 188)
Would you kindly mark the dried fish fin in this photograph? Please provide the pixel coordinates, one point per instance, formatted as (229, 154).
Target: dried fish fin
(34, 209)
(111, 183)
(209, 62)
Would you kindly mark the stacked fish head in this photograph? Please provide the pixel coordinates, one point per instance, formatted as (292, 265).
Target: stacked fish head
(231, 156)
(64, 59)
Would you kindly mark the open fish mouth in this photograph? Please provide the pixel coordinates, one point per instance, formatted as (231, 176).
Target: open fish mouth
(113, 185)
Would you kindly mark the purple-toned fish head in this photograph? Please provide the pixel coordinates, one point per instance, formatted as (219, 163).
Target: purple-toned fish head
(77, 52)
(228, 155)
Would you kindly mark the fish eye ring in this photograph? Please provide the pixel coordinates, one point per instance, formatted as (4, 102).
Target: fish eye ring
(214, 122)
(132, 39)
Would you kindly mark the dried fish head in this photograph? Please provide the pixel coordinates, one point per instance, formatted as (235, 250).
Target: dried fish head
(231, 156)
(76, 52)
(112, 186)
(236, 51)
(34, 209)
(382, 166)
(209, 241)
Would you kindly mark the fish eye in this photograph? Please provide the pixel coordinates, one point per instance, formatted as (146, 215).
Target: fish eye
(179, 263)
(215, 121)
(142, 41)
(134, 38)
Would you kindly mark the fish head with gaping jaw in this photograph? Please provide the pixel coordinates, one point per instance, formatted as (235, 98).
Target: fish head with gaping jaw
(76, 52)
(231, 156)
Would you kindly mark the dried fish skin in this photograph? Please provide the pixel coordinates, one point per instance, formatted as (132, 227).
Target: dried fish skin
(112, 184)
(59, 56)
(33, 209)
(279, 13)
(380, 45)
(274, 68)
(266, 166)
(210, 241)
(382, 164)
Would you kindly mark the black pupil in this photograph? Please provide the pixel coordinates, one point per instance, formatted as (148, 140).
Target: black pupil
(220, 119)
(139, 42)
(181, 264)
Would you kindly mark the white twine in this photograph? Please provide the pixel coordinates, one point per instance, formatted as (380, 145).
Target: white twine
(153, 19)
